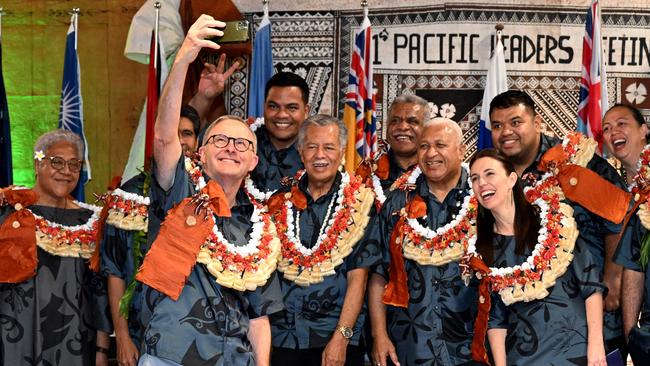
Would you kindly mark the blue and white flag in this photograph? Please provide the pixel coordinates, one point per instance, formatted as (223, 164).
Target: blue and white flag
(261, 67)
(496, 83)
(71, 112)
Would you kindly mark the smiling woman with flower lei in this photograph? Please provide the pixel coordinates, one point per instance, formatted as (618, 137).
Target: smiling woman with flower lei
(546, 294)
(625, 134)
(51, 309)
(321, 218)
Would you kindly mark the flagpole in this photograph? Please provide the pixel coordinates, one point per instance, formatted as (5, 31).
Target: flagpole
(499, 27)
(2, 12)
(156, 5)
(75, 17)
(364, 5)
(265, 6)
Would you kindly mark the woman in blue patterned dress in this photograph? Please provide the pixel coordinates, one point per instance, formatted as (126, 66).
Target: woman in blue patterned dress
(564, 327)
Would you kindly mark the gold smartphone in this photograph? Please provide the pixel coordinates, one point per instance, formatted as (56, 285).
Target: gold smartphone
(236, 31)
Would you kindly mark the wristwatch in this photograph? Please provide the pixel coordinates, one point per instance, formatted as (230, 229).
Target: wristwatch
(347, 332)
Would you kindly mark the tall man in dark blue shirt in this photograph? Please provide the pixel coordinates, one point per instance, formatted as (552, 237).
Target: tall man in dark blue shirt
(286, 105)
(516, 133)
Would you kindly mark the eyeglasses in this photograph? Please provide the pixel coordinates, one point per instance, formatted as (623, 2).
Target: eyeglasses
(58, 163)
(241, 144)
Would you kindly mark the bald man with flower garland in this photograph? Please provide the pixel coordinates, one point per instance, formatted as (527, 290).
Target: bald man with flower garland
(421, 311)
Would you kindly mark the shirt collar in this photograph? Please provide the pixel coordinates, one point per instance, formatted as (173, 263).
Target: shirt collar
(302, 184)
(546, 143)
(422, 188)
(394, 169)
(264, 142)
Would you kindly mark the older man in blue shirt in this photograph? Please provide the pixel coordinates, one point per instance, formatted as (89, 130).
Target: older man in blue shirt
(190, 314)
(434, 324)
(321, 218)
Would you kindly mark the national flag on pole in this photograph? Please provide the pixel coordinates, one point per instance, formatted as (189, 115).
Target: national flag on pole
(6, 173)
(153, 91)
(593, 86)
(148, 116)
(496, 83)
(71, 112)
(261, 67)
(359, 109)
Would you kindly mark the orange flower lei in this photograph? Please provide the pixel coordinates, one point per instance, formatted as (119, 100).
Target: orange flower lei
(446, 244)
(65, 240)
(552, 254)
(128, 211)
(239, 267)
(308, 266)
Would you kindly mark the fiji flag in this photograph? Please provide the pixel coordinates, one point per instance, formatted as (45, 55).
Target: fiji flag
(6, 174)
(359, 109)
(593, 86)
(71, 112)
(495, 84)
(261, 67)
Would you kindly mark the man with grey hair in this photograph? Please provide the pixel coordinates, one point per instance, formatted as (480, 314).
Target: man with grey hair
(406, 117)
(199, 268)
(320, 219)
(421, 311)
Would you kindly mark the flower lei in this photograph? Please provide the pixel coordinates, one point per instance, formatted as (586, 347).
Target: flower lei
(256, 123)
(306, 266)
(445, 244)
(128, 211)
(240, 267)
(552, 254)
(65, 240)
(640, 188)
(578, 149)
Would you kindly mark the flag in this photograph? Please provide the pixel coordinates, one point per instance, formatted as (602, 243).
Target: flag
(261, 67)
(71, 111)
(6, 173)
(157, 73)
(496, 83)
(153, 91)
(593, 86)
(359, 109)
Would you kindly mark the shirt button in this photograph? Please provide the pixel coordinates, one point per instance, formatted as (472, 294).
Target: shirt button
(436, 307)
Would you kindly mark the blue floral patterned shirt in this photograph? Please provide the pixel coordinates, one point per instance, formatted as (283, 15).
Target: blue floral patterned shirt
(208, 324)
(437, 327)
(312, 313)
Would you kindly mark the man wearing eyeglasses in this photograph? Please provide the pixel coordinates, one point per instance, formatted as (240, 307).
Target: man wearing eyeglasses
(121, 246)
(187, 317)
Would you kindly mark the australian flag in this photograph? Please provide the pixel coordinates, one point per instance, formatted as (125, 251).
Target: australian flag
(71, 112)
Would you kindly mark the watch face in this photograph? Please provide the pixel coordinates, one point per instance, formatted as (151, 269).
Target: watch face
(347, 332)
